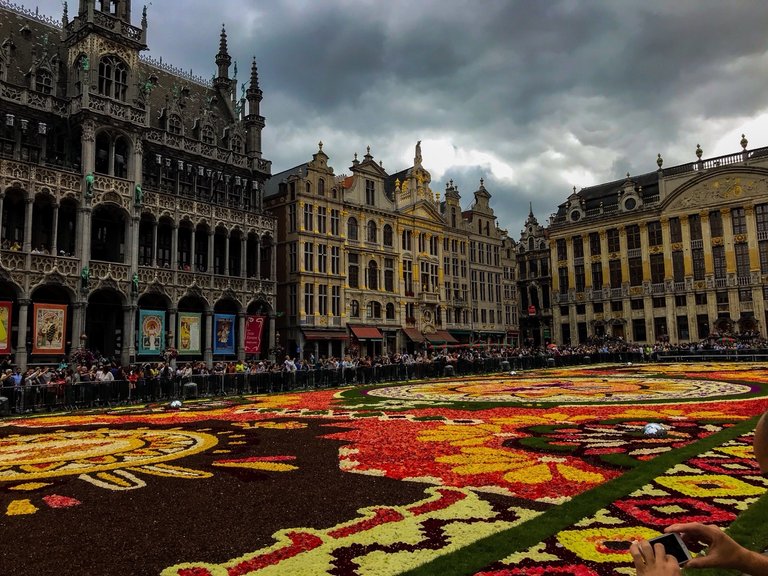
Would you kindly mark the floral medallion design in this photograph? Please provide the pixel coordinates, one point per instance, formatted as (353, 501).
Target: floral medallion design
(563, 390)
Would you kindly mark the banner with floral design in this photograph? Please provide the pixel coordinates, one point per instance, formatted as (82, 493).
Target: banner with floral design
(190, 326)
(151, 332)
(49, 328)
(6, 312)
(224, 334)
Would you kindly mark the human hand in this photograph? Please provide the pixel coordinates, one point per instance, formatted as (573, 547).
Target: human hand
(653, 561)
(722, 551)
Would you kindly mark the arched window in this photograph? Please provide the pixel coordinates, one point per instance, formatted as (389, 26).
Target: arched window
(308, 188)
(354, 309)
(44, 81)
(352, 229)
(113, 78)
(390, 311)
(388, 239)
(207, 135)
(373, 275)
(530, 244)
(174, 124)
(321, 187)
(120, 163)
(373, 233)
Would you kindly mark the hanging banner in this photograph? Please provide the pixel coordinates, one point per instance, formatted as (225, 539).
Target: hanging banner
(189, 332)
(151, 332)
(49, 328)
(223, 333)
(6, 308)
(254, 328)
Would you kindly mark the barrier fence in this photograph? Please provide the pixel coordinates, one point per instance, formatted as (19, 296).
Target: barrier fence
(25, 398)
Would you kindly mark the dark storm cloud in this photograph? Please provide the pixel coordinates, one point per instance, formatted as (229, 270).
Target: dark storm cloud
(534, 96)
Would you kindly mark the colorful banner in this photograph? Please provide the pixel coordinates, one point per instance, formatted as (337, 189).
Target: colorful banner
(151, 332)
(49, 328)
(6, 309)
(223, 333)
(254, 328)
(190, 327)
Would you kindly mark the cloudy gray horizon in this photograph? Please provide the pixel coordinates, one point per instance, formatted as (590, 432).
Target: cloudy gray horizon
(536, 97)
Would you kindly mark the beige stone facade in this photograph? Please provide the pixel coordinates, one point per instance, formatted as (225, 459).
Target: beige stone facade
(672, 255)
(377, 263)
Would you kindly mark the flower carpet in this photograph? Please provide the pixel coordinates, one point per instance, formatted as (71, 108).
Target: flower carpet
(539, 473)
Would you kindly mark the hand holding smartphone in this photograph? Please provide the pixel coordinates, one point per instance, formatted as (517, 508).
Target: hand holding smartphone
(674, 546)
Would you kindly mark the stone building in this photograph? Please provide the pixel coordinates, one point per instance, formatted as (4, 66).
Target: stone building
(534, 280)
(130, 193)
(679, 254)
(377, 263)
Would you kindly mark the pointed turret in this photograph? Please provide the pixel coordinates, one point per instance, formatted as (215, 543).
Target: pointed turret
(254, 122)
(223, 60)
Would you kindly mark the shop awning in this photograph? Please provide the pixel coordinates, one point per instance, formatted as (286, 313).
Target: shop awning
(366, 332)
(324, 334)
(441, 337)
(414, 335)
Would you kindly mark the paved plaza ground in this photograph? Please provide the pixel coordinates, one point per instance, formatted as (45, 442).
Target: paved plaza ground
(533, 473)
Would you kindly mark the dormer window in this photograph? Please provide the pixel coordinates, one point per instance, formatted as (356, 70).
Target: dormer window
(175, 125)
(113, 78)
(207, 135)
(44, 81)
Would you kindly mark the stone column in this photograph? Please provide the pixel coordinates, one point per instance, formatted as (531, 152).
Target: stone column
(749, 215)
(128, 351)
(27, 246)
(272, 334)
(207, 350)
(154, 244)
(54, 249)
(685, 232)
(258, 257)
(193, 248)
(243, 256)
(226, 254)
(706, 240)
(133, 251)
(175, 247)
(2, 201)
(211, 244)
(241, 336)
(21, 337)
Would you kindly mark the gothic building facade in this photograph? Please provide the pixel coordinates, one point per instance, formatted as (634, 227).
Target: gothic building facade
(131, 196)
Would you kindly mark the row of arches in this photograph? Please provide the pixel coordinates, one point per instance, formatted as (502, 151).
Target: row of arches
(43, 225)
(107, 325)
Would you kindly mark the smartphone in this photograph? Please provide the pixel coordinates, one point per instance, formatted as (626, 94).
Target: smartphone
(674, 546)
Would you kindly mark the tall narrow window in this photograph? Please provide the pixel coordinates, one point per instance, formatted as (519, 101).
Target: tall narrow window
(113, 78)
(370, 192)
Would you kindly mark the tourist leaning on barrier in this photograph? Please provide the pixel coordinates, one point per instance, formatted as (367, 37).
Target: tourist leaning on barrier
(722, 551)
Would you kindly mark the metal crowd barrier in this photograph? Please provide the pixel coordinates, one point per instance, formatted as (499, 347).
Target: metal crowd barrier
(83, 395)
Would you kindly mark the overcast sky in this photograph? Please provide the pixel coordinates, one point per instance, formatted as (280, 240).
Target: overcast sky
(535, 96)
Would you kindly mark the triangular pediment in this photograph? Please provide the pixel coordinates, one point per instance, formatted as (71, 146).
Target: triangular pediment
(423, 210)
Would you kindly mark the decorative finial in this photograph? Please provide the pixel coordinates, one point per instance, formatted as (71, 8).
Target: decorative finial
(659, 161)
(699, 151)
(744, 142)
(368, 150)
(574, 188)
(320, 145)
(355, 156)
(627, 175)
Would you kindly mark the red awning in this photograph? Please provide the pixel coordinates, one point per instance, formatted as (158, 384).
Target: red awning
(414, 335)
(441, 337)
(324, 334)
(366, 332)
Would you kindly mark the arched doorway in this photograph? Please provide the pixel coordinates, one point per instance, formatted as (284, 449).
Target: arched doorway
(227, 340)
(152, 326)
(49, 324)
(191, 328)
(104, 324)
(9, 312)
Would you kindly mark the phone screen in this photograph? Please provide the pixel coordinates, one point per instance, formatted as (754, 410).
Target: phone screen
(674, 546)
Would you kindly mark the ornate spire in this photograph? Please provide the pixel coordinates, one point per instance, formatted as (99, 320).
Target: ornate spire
(223, 59)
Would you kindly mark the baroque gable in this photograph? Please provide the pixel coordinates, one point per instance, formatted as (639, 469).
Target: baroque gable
(718, 189)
